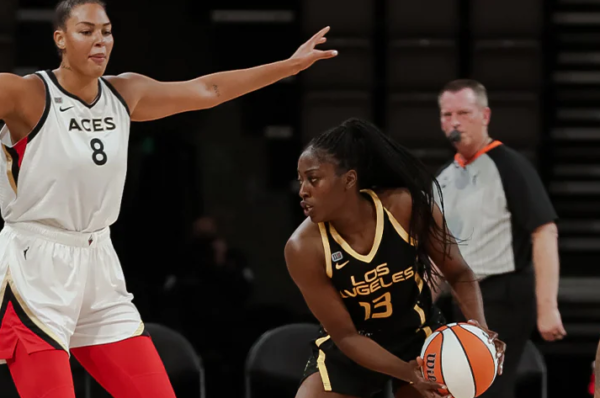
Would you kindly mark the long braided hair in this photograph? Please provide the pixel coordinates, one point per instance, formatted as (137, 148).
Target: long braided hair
(381, 163)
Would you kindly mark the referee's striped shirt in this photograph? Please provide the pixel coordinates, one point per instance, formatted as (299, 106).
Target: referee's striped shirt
(492, 205)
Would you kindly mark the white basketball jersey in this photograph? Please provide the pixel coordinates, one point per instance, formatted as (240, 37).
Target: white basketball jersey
(69, 172)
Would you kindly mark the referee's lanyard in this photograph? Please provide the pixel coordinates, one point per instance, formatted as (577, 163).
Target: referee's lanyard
(458, 158)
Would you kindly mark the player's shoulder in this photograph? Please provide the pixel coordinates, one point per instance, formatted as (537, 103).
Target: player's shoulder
(21, 84)
(21, 95)
(397, 201)
(126, 87)
(127, 82)
(124, 78)
(305, 240)
(395, 198)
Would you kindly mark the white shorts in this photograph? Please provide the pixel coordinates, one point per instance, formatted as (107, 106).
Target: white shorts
(61, 290)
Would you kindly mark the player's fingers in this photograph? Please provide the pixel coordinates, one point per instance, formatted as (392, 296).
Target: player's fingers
(322, 40)
(501, 365)
(320, 33)
(326, 54)
(434, 386)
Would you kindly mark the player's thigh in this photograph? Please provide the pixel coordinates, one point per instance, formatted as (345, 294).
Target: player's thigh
(312, 387)
(41, 374)
(130, 368)
(107, 314)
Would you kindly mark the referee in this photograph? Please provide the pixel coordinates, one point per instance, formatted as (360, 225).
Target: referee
(497, 208)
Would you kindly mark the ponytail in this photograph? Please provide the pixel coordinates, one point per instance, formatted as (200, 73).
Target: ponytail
(382, 163)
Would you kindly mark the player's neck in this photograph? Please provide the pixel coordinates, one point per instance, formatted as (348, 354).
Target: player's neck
(81, 86)
(357, 214)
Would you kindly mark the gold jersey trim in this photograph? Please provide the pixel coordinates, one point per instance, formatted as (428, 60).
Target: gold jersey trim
(326, 249)
(399, 229)
(378, 233)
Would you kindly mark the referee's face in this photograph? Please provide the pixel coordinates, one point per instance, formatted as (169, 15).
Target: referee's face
(460, 111)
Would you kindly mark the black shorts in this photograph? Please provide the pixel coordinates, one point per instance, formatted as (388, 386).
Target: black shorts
(341, 375)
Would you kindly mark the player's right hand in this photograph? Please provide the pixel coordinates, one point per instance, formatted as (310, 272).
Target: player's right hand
(428, 389)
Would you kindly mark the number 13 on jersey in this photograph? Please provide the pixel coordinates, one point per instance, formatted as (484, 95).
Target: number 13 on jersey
(98, 155)
(384, 301)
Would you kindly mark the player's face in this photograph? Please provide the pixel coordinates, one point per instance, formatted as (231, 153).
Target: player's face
(87, 40)
(321, 188)
(460, 111)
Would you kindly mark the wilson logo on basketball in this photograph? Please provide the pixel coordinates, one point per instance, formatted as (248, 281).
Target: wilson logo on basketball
(430, 366)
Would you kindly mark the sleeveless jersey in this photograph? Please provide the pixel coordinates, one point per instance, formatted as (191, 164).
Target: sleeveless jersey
(69, 172)
(381, 290)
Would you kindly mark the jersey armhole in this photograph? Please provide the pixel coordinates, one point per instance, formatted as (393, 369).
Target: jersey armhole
(42, 120)
(326, 249)
(116, 93)
(399, 229)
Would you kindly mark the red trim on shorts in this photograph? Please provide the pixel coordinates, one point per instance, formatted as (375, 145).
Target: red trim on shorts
(17, 327)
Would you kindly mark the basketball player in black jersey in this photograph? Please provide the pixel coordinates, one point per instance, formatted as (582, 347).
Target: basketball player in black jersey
(362, 260)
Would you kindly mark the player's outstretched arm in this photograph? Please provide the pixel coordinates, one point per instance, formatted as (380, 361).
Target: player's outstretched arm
(306, 266)
(149, 99)
(12, 90)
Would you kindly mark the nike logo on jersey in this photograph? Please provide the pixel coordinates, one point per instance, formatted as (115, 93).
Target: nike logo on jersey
(25, 253)
(65, 109)
(89, 125)
(340, 266)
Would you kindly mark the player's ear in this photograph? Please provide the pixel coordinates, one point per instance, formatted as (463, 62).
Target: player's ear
(59, 39)
(350, 179)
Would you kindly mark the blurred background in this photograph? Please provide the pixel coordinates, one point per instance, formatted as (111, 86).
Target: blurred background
(211, 199)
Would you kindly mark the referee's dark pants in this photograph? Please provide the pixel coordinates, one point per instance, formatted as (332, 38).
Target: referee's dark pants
(510, 310)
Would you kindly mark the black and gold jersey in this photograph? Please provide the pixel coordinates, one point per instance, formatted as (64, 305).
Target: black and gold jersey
(382, 290)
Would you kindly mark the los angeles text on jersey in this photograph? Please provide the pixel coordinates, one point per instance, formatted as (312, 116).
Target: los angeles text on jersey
(375, 280)
(92, 125)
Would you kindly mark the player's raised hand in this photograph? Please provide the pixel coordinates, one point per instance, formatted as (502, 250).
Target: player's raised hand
(307, 54)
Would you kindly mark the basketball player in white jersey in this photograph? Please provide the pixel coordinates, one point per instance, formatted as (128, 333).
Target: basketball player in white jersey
(62, 171)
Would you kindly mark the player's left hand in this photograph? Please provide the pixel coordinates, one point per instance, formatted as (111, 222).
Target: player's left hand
(499, 344)
(307, 54)
(550, 324)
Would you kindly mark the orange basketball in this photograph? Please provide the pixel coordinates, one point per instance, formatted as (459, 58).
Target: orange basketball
(460, 356)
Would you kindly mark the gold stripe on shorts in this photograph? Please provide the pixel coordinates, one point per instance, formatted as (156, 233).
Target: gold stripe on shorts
(139, 330)
(321, 364)
(30, 314)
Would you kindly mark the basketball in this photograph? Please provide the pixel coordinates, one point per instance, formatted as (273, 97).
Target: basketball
(460, 356)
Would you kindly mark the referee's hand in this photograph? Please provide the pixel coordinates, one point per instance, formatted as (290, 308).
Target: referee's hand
(550, 324)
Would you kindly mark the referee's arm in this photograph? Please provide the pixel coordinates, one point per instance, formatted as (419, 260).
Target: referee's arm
(532, 210)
